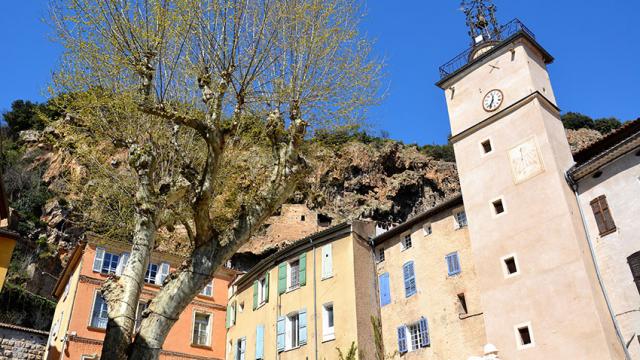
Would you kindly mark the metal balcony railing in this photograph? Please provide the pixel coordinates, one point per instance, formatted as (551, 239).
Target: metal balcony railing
(507, 30)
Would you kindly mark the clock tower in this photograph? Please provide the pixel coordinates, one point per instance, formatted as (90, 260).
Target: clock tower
(540, 293)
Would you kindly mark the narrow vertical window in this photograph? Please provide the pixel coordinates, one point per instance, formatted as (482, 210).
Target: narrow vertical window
(510, 265)
(601, 211)
(462, 304)
(406, 242)
(327, 261)
(99, 315)
(524, 336)
(427, 230)
(327, 322)
(460, 219)
(486, 146)
(498, 207)
(294, 274)
(409, 279)
(381, 254)
(241, 348)
(201, 326)
(150, 275)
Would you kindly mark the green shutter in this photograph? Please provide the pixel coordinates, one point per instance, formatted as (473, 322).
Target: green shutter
(282, 278)
(228, 316)
(255, 294)
(266, 285)
(303, 269)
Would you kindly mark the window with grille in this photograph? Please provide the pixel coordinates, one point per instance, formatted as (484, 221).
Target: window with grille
(294, 274)
(602, 214)
(381, 254)
(406, 242)
(414, 334)
(461, 219)
(409, 279)
(453, 264)
(201, 329)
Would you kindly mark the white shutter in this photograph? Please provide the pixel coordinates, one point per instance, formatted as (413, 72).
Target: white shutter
(98, 259)
(327, 261)
(163, 272)
(122, 262)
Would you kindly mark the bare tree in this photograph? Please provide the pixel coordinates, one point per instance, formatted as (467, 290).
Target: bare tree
(173, 83)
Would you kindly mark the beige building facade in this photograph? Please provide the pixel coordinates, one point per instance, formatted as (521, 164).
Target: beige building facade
(512, 156)
(307, 299)
(606, 178)
(429, 299)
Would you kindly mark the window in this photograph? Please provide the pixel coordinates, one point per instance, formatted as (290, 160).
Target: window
(142, 306)
(380, 254)
(406, 242)
(409, 279)
(231, 314)
(427, 229)
(294, 274)
(510, 265)
(634, 265)
(413, 336)
(150, 275)
(498, 207)
(302, 218)
(104, 262)
(524, 336)
(385, 294)
(460, 219)
(453, 264)
(327, 322)
(261, 288)
(292, 330)
(486, 146)
(240, 307)
(327, 262)
(462, 302)
(99, 315)
(241, 348)
(602, 214)
(201, 329)
(208, 289)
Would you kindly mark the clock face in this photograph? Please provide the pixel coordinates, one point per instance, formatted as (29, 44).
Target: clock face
(525, 161)
(492, 100)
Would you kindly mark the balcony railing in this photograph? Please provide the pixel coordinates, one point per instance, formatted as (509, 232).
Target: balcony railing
(507, 30)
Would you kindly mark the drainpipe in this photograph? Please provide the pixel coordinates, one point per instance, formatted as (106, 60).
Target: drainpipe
(315, 307)
(574, 186)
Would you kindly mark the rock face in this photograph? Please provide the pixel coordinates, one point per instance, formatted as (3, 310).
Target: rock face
(579, 139)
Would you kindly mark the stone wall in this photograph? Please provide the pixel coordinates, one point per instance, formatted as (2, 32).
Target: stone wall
(17, 342)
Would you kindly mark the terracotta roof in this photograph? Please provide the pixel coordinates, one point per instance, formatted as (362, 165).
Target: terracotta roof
(610, 147)
(452, 202)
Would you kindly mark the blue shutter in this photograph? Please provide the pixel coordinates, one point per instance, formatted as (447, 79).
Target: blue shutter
(280, 333)
(260, 342)
(385, 293)
(453, 264)
(402, 339)
(409, 279)
(424, 332)
(302, 326)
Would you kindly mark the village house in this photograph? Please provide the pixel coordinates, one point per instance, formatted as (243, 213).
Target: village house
(606, 179)
(80, 317)
(429, 299)
(308, 299)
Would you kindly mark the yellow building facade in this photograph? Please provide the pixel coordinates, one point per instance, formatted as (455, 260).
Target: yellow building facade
(429, 300)
(7, 237)
(307, 299)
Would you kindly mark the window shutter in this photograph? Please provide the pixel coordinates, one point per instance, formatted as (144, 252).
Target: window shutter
(634, 265)
(302, 326)
(260, 342)
(385, 294)
(303, 269)
(327, 261)
(266, 286)
(424, 332)
(602, 214)
(453, 264)
(98, 259)
(255, 294)
(402, 339)
(228, 316)
(122, 262)
(409, 279)
(280, 333)
(236, 350)
(282, 278)
(243, 347)
(163, 272)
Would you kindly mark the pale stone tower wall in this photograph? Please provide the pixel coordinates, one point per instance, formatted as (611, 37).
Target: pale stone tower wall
(555, 292)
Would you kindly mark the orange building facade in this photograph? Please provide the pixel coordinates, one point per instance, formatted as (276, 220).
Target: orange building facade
(80, 319)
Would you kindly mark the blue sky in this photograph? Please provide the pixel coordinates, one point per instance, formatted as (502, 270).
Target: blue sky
(596, 46)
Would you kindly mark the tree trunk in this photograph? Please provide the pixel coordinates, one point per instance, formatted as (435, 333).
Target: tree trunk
(122, 294)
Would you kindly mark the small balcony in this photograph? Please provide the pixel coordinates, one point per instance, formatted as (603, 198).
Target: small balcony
(507, 31)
